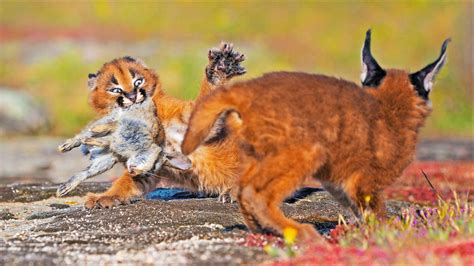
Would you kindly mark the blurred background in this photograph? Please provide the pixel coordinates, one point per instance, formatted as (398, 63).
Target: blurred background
(47, 48)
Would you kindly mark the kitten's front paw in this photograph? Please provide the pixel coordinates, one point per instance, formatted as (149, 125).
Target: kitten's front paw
(224, 63)
(105, 200)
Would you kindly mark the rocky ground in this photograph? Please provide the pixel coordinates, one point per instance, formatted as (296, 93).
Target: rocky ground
(197, 231)
(37, 228)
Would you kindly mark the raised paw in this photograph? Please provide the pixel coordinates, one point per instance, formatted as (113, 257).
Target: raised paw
(104, 201)
(224, 63)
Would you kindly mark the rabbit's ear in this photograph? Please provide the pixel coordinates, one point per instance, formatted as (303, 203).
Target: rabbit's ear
(179, 161)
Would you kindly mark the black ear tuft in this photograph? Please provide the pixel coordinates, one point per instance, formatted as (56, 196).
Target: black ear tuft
(129, 58)
(423, 79)
(372, 73)
(91, 82)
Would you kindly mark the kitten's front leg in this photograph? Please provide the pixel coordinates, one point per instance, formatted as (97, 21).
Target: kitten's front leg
(224, 64)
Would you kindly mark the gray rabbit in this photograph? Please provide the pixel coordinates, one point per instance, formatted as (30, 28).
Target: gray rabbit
(132, 135)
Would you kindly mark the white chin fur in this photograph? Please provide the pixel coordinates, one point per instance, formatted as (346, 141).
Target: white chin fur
(140, 97)
(127, 102)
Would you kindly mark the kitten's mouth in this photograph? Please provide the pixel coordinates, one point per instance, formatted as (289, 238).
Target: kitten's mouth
(129, 99)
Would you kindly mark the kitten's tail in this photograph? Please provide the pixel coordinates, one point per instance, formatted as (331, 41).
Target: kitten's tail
(213, 115)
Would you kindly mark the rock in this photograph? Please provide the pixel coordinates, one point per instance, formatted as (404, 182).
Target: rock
(35, 192)
(21, 114)
(6, 215)
(49, 214)
(59, 206)
(199, 231)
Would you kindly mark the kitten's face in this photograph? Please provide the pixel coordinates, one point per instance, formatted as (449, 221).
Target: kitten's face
(121, 82)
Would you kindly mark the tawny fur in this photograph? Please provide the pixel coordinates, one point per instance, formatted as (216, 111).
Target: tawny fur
(291, 126)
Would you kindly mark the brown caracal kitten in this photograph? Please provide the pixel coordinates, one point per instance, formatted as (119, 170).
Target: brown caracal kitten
(291, 126)
(214, 166)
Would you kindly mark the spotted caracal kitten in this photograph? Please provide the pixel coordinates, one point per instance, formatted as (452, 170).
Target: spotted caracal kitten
(214, 165)
(291, 126)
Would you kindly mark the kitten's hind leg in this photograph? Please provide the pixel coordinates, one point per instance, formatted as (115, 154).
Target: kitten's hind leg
(99, 165)
(144, 161)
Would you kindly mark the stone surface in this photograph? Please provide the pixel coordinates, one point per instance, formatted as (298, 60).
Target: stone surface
(41, 191)
(6, 215)
(59, 206)
(194, 231)
(37, 228)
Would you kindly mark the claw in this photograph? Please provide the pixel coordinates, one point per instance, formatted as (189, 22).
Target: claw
(213, 53)
(240, 57)
(223, 46)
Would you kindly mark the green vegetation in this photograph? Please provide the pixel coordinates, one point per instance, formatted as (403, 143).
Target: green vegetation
(438, 235)
(48, 48)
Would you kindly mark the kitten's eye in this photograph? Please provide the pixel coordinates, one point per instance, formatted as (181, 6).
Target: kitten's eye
(116, 90)
(138, 82)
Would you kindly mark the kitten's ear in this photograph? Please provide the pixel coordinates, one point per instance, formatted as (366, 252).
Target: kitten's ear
(92, 81)
(179, 161)
(423, 79)
(136, 60)
(372, 73)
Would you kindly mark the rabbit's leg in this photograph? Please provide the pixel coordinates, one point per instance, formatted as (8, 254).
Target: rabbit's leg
(144, 161)
(99, 165)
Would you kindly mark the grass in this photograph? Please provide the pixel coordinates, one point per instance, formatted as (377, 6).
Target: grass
(439, 235)
(322, 37)
(436, 229)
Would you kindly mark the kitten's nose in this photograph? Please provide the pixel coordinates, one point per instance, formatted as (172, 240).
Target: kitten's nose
(132, 96)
